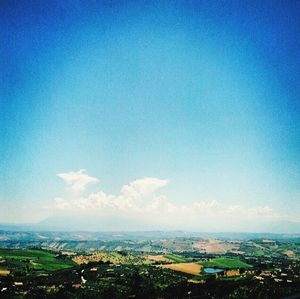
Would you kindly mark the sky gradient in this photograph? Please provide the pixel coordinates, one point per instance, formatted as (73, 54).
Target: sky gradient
(197, 99)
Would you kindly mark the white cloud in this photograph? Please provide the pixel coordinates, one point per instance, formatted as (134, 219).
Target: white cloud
(143, 187)
(77, 180)
(61, 203)
(140, 202)
(251, 212)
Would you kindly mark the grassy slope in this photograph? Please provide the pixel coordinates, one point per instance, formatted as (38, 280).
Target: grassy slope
(226, 263)
(176, 258)
(40, 259)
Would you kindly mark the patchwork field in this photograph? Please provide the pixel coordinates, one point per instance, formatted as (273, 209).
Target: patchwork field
(214, 246)
(110, 257)
(160, 273)
(35, 259)
(4, 272)
(289, 253)
(158, 258)
(190, 268)
(176, 258)
(226, 263)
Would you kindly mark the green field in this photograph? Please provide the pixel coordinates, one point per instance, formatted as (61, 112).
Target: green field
(226, 263)
(35, 259)
(176, 258)
(258, 252)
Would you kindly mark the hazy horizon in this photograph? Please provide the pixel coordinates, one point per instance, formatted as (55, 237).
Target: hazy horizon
(151, 115)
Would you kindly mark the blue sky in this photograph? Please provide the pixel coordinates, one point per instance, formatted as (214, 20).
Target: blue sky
(201, 94)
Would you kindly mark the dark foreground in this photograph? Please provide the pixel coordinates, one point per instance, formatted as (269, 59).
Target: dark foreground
(160, 268)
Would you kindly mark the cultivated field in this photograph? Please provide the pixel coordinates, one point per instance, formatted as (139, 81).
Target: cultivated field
(190, 268)
(214, 246)
(176, 258)
(4, 272)
(110, 257)
(158, 258)
(289, 253)
(35, 259)
(226, 263)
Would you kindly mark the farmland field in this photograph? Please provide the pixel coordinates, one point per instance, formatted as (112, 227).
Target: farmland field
(190, 268)
(158, 258)
(160, 273)
(226, 263)
(110, 257)
(35, 259)
(4, 272)
(176, 258)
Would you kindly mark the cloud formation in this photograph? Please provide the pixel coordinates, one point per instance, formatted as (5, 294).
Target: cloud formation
(143, 187)
(77, 180)
(131, 197)
(140, 201)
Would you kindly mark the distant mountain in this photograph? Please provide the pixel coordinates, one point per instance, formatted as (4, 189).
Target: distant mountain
(68, 223)
(83, 223)
(20, 234)
(29, 227)
(71, 223)
(283, 227)
(43, 231)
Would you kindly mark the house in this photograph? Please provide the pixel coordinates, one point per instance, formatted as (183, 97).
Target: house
(258, 278)
(94, 269)
(76, 286)
(233, 272)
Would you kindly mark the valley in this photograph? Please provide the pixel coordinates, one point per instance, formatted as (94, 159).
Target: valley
(149, 267)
